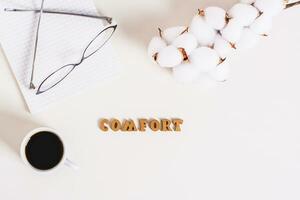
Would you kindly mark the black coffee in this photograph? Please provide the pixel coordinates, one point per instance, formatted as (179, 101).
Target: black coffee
(44, 150)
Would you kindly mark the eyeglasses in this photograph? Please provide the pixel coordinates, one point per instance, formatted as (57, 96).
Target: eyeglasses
(60, 74)
(93, 47)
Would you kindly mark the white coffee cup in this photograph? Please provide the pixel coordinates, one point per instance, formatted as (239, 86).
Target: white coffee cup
(63, 161)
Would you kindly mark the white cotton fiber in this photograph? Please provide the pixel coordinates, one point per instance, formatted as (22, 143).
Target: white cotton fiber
(270, 7)
(232, 32)
(221, 72)
(248, 39)
(206, 81)
(247, 1)
(204, 33)
(215, 17)
(187, 41)
(170, 34)
(169, 57)
(244, 14)
(262, 25)
(185, 73)
(155, 45)
(199, 53)
(204, 58)
(223, 47)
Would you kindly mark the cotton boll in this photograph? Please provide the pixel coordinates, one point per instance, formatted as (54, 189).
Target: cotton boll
(270, 7)
(232, 32)
(204, 58)
(215, 17)
(169, 57)
(155, 45)
(248, 39)
(185, 73)
(262, 25)
(221, 72)
(204, 33)
(247, 1)
(187, 41)
(244, 14)
(223, 47)
(206, 81)
(170, 34)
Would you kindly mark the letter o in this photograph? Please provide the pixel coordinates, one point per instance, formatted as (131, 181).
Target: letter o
(115, 125)
(154, 125)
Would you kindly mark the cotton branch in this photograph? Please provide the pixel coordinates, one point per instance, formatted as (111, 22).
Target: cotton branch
(289, 5)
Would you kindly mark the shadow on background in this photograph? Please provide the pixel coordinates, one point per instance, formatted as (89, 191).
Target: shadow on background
(13, 128)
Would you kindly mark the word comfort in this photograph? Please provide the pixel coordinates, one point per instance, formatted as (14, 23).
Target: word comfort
(142, 125)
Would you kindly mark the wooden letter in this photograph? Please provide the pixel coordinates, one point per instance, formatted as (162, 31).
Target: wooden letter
(154, 125)
(129, 125)
(102, 123)
(115, 125)
(142, 125)
(166, 125)
(177, 123)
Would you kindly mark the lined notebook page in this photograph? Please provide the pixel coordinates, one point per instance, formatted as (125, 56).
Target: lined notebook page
(62, 41)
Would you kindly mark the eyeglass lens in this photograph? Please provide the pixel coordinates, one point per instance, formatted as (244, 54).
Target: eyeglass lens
(99, 41)
(55, 78)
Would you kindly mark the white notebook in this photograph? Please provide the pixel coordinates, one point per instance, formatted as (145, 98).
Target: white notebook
(62, 40)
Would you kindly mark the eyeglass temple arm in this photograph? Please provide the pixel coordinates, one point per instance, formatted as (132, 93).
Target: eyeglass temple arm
(31, 85)
(108, 19)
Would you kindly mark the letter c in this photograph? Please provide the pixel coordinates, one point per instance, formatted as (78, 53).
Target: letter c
(102, 125)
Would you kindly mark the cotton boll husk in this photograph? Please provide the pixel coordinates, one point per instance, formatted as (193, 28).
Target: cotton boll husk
(187, 41)
(244, 14)
(204, 58)
(169, 57)
(232, 32)
(215, 17)
(247, 1)
(270, 7)
(186, 73)
(155, 45)
(170, 34)
(262, 25)
(222, 47)
(204, 33)
(248, 39)
(221, 73)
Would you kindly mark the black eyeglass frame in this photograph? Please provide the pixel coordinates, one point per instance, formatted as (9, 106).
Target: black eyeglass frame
(39, 91)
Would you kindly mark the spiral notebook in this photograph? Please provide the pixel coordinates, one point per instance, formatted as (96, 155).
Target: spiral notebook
(62, 39)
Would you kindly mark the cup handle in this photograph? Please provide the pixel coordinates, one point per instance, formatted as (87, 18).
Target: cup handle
(71, 164)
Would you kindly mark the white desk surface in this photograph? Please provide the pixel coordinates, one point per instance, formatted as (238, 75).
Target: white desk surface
(240, 141)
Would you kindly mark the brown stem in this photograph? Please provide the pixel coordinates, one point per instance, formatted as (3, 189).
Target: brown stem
(160, 32)
(289, 5)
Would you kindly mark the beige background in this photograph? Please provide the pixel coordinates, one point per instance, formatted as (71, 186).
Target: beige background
(240, 141)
